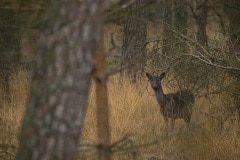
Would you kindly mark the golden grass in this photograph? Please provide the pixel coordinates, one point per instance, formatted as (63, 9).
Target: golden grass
(134, 113)
(11, 113)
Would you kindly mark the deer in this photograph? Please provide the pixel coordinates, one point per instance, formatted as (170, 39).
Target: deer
(177, 105)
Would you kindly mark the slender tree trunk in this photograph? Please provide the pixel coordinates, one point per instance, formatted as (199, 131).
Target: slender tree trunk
(103, 126)
(134, 39)
(60, 83)
(167, 38)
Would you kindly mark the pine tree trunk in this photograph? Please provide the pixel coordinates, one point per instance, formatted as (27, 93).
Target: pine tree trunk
(231, 8)
(10, 36)
(200, 14)
(175, 17)
(61, 80)
(134, 40)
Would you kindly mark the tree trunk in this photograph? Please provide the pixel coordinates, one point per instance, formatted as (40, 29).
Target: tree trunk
(200, 13)
(167, 38)
(231, 9)
(134, 40)
(17, 18)
(60, 83)
(103, 126)
(175, 17)
(180, 23)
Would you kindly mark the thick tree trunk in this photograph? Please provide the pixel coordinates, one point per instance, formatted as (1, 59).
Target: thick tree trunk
(61, 79)
(200, 13)
(231, 8)
(9, 46)
(175, 17)
(134, 39)
(17, 18)
(180, 23)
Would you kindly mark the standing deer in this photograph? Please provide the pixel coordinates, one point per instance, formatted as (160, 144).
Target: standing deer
(172, 105)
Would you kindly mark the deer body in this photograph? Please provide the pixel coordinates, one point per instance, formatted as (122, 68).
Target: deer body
(172, 105)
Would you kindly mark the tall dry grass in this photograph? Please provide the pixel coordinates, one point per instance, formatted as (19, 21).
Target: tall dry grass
(134, 113)
(11, 113)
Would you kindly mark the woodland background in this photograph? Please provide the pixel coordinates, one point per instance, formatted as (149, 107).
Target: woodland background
(49, 57)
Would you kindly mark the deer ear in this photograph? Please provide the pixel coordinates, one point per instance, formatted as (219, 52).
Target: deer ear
(162, 75)
(149, 76)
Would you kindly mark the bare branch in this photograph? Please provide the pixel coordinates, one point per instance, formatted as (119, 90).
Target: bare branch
(202, 57)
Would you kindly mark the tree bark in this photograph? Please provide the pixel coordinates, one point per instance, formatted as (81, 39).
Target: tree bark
(200, 13)
(9, 46)
(231, 8)
(167, 38)
(180, 23)
(175, 17)
(60, 83)
(17, 19)
(134, 40)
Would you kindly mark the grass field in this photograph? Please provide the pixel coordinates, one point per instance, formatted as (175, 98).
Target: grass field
(134, 113)
(11, 113)
(136, 123)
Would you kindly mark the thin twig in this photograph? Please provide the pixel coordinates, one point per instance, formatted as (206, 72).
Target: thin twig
(202, 57)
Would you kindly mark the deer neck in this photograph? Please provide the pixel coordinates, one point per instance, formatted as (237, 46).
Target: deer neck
(160, 95)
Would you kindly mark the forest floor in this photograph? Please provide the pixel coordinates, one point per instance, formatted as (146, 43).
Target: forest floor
(136, 124)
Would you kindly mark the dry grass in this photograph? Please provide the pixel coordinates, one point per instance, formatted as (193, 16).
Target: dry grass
(135, 114)
(11, 113)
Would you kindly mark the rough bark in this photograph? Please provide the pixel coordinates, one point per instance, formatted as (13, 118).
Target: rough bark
(17, 19)
(60, 83)
(134, 39)
(200, 13)
(168, 38)
(231, 9)
(180, 23)
(9, 46)
(175, 17)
